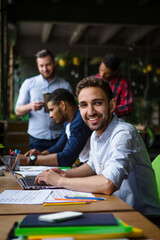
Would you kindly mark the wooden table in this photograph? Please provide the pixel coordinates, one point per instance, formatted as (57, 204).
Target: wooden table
(113, 203)
(11, 213)
(150, 231)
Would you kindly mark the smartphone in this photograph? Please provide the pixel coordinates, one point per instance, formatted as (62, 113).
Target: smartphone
(45, 97)
(61, 216)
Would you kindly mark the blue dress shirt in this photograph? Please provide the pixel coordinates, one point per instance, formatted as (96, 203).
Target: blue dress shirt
(40, 125)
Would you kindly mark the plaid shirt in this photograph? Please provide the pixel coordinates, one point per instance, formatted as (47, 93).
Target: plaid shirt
(122, 92)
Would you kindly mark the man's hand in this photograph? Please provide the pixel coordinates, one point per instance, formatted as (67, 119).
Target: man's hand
(22, 110)
(59, 171)
(24, 161)
(31, 152)
(45, 152)
(50, 177)
(35, 106)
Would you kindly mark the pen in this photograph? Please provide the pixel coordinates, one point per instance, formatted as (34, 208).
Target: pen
(78, 200)
(64, 203)
(90, 198)
(12, 153)
(16, 152)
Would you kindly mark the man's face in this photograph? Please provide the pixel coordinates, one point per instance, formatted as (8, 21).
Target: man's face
(104, 72)
(46, 67)
(95, 109)
(56, 113)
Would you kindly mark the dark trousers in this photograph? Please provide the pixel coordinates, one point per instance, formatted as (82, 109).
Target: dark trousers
(41, 144)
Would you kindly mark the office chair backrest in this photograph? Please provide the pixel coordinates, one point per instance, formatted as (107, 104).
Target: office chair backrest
(156, 167)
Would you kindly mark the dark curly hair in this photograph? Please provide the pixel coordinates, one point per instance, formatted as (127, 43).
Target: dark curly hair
(61, 94)
(95, 82)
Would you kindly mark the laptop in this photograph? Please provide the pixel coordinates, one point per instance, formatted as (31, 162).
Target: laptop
(28, 182)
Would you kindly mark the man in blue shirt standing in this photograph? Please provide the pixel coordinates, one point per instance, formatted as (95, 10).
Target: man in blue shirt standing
(43, 131)
(118, 162)
(74, 141)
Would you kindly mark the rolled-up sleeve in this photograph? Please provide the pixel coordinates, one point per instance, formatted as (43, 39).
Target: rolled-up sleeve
(119, 159)
(24, 96)
(112, 155)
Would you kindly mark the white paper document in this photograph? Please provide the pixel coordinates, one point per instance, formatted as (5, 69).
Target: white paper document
(28, 174)
(24, 196)
(34, 168)
(61, 193)
(33, 171)
(37, 196)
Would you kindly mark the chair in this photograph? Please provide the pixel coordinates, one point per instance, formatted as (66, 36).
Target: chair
(156, 167)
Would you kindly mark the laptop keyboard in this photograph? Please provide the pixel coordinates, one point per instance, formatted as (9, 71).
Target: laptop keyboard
(29, 181)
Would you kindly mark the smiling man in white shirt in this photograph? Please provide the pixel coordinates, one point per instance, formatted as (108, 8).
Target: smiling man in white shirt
(118, 163)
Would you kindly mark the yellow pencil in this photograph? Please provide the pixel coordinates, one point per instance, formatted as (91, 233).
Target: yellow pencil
(64, 203)
(15, 161)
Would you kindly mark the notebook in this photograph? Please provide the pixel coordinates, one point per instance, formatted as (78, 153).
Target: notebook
(89, 226)
(28, 182)
(87, 219)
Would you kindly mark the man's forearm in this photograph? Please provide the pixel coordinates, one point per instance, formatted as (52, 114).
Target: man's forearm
(81, 171)
(47, 160)
(87, 183)
(94, 184)
(22, 110)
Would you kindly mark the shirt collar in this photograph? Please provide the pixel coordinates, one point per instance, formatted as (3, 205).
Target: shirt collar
(53, 80)
(108, 131)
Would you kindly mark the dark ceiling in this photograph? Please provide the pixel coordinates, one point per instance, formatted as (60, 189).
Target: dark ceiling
(90, 26)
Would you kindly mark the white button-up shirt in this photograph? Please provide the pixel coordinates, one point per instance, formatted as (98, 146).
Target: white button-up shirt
(121, 156)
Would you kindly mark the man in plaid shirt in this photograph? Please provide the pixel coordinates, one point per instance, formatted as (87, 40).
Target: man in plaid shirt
(121, 89)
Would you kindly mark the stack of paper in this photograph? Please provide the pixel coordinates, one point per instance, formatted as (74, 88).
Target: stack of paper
(24, 197)
(33, 171)
(38, 196)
